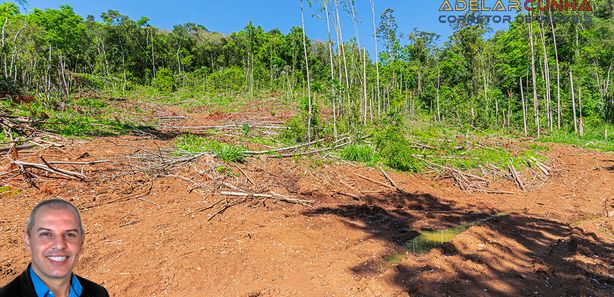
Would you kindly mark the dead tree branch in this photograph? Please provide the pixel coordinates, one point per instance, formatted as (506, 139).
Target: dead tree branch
(48, 168)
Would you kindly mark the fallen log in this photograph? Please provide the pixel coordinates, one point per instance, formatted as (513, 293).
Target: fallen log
(374, 181)
(48, 168)
(19, 147)
(516, 176)
(281, 149)
(394, 184)
(315, 151)
(273, 196)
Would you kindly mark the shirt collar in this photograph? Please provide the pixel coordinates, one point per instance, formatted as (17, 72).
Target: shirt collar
(43, 291)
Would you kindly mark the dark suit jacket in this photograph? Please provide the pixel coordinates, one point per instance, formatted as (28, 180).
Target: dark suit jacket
(22, 286)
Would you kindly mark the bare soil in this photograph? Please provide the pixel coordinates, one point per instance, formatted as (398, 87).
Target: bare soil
(152, 236)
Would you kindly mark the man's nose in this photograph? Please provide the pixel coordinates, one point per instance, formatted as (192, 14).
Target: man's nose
(59, 243)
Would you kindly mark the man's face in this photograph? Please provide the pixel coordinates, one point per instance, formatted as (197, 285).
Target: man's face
(55, 242)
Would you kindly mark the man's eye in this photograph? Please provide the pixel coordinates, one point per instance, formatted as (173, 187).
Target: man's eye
(46, 234)
(71, 235)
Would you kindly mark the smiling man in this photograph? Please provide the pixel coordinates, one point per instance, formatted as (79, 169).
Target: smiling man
(54, 237)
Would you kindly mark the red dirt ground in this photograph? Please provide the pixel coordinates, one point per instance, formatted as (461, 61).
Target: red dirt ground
(557, 240)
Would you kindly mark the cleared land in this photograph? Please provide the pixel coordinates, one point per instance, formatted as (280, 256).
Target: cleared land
(158, 232)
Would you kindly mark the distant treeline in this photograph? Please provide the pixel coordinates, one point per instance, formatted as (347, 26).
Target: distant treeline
(532, 77)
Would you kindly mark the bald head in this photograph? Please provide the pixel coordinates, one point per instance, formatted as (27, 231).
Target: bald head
(53, 204)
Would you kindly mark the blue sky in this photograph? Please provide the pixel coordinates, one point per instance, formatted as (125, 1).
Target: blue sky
(232, 15)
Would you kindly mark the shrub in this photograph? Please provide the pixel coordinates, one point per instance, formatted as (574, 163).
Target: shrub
(394, 149)
(164, 81)
(297, 126)
(230, 79)
(195, 144)
(358, 152)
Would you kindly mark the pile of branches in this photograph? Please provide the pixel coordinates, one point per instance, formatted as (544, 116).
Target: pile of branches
(201, 172)
(264, 128)
(29, 135)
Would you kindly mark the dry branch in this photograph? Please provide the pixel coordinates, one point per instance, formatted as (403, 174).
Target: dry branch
(172, 117)
(455, 171)
(516, 176)
(273, 196)
(343, 182)
(314, 151)
(223, 127)
(374, 181)
(48, 168)
(281, 149)
(19, 147)
(496, 192)
(391, 181)
(246, 176)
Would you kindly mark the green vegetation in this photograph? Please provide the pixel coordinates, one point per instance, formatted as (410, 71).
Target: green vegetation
(196, 144)
(8, 191)
(164, 81)
(454, 103)
(80, 117)
(358, 152)
(595, 138)
(468, 81)
(411, 147)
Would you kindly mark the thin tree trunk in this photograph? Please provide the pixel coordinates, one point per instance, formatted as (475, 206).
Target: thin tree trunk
(66, 88)
(104, 55)
(124, 73)
(546, 75)
(356, 33)
(437, 97)
(376, 56)
(573, 100)
(340, 71)
(534, 79)
(345, 66)
(581, 120)
(332, 69)
(509, 109)
(14, 55)
(558, 75)
(6, 20)
(48, 77)
(364, 84)
(307, 70)
(153, 57)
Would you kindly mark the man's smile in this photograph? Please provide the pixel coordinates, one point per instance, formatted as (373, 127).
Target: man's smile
(57, 259)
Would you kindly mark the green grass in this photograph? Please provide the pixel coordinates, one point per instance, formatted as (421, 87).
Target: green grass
(268, 141)
(412, 146)
(594, 138)
(8, 191)
(189, 99)
(196, 144)
(358, 152)
(4, 138)
(82, 117)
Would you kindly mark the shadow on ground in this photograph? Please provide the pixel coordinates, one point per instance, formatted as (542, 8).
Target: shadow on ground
(515, 254)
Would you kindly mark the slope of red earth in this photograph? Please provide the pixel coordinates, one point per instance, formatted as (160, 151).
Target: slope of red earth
(154, 235)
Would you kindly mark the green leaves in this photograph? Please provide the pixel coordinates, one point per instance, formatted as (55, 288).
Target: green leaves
(164, 81)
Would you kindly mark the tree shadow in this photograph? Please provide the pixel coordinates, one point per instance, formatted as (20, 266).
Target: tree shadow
(158, 134)
(514, 254)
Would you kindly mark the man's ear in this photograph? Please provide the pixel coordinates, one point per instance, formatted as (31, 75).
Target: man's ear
(26, 240)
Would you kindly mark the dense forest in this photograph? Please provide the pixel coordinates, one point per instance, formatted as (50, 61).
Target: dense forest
(531, 79)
